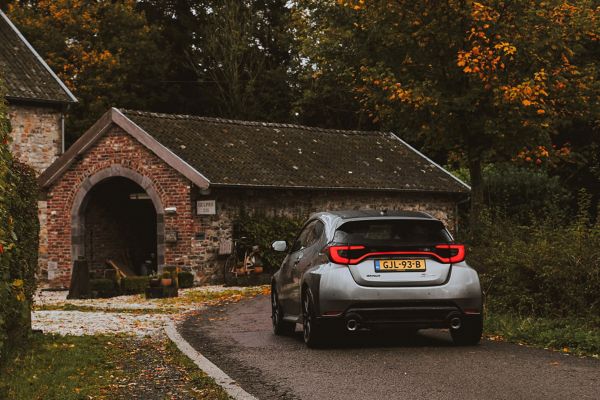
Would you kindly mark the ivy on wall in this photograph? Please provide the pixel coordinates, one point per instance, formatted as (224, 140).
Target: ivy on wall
(263, 230)
(19, 229)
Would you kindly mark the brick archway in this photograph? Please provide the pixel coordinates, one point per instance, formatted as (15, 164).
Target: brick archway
(81, 200)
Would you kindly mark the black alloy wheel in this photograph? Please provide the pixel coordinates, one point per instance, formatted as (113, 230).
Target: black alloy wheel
(281, 327)
(313, 333)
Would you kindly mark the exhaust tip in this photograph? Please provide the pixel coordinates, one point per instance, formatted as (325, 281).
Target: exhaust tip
(351, 325)
(455, 323)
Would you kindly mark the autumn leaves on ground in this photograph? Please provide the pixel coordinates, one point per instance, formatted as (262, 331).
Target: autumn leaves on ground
(124, 365)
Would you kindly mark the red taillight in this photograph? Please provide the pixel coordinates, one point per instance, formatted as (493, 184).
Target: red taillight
(445, 253)
(341, 254)
(456, 253)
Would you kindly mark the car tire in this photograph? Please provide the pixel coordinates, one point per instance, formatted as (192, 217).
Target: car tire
(469, 333)
(281, 327)
(312, 332)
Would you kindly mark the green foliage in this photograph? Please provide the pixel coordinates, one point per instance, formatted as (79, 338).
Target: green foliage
(186, 279)
(104, 287)
(134, 284)
(578, 336)
(481, 79)
(104, 51)
(262, 231)
(18, 240)
(523, 193)
(548, 268)
(222, 58)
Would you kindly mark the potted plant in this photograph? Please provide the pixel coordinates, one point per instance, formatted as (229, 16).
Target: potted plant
(166, 280)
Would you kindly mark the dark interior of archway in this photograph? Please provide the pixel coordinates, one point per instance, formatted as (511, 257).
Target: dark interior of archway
(120, 225)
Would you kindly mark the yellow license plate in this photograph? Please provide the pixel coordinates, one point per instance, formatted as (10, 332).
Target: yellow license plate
(399, 265)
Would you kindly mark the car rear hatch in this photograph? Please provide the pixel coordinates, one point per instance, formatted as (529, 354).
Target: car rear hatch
(395, 252)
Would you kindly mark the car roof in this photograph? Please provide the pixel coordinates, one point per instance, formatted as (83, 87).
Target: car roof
(353, 214)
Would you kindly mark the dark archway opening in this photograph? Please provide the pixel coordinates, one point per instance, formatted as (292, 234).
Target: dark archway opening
(120, 225)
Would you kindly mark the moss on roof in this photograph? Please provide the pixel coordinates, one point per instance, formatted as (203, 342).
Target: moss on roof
(242, 153)
(25, 74)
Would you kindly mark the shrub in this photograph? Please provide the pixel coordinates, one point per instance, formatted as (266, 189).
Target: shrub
(547, 268)
(186, 279)
(18, 241)
(104, 287)
(523, 193)
(262, 231)
(134, 284)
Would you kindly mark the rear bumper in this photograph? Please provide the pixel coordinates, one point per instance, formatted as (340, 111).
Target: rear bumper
(407, 315)
(340, 298)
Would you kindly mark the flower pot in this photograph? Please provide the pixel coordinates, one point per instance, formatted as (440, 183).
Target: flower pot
(166, 281)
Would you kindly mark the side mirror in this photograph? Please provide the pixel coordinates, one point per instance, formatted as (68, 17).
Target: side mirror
(279, 245)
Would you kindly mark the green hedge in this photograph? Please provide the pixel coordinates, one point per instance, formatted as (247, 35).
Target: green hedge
(547, 268)
(186, 279)
(134, 284)
(104, 287)
(523, 193)
(19, 231)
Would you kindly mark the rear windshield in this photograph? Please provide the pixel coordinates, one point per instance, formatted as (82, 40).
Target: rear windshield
(392, 232)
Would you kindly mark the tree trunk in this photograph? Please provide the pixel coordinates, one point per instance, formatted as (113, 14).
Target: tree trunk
(477, 197)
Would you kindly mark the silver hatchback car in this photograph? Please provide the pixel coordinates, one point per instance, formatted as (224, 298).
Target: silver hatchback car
(358, 270)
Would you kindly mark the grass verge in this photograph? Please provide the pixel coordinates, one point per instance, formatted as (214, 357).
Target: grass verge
(102, 367)
(576, 336)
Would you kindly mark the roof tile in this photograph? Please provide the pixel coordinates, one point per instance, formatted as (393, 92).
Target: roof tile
(25, 75)
(243, 153)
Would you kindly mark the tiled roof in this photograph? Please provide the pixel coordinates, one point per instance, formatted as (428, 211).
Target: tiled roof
(25, 75)
(241, 153)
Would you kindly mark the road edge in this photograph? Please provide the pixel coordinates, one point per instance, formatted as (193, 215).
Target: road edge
(233, 389)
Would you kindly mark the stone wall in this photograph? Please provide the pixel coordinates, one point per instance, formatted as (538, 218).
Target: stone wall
(36, 133)
(37, 141)
(204, 257)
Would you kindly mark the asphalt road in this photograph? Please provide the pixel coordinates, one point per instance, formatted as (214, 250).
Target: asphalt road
(238, 338)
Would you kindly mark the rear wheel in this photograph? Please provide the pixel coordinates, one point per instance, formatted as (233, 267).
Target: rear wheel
(469, 333)
(313, 332)
(281, 327)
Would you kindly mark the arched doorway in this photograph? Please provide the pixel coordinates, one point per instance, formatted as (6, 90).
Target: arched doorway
(118, 216)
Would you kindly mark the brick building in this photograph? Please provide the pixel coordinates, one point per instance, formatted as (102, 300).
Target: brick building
(37, 101)
(143, 186)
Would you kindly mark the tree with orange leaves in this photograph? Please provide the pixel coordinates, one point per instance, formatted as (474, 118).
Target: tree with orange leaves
(484, 79)
(104, 51)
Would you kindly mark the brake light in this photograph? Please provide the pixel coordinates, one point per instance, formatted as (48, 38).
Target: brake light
(350, 255)
(455, 253)
(341, 254)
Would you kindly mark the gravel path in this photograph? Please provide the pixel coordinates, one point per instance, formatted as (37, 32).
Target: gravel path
(132, 315)
(80, 323)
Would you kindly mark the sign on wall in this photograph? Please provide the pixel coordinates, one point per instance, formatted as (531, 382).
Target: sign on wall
(206, 207)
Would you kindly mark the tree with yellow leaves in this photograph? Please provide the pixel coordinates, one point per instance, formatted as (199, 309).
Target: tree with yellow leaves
(484, 79)
(104, 51)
